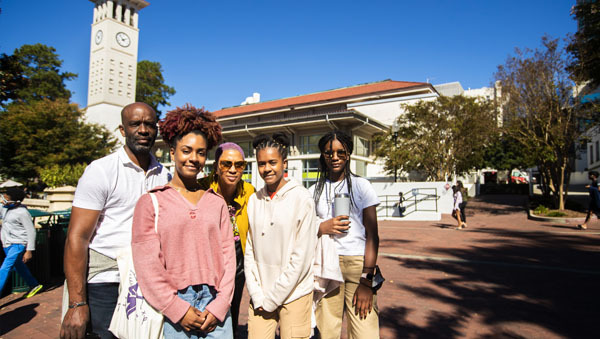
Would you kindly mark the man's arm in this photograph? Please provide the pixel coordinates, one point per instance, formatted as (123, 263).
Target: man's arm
(81, 228)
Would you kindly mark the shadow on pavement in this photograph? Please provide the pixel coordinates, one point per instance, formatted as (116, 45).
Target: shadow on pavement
(538, 278)
(13, 319)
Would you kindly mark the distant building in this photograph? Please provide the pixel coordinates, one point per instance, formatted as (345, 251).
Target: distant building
(362, 111)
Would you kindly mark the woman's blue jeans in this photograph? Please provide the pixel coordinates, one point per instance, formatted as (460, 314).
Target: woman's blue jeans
(199, 296)
(14, 259)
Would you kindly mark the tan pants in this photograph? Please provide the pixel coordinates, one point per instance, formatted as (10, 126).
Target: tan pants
(331, 308)
(293, 319)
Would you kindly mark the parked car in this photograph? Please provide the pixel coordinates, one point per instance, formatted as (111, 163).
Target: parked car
(519, 177)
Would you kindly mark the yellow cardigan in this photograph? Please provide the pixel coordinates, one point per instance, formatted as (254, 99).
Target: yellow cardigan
(241, 215)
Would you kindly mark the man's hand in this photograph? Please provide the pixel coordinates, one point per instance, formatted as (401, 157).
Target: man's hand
(210, 322)
(75, 322)
(362, 301)
(27, 256)
(192, 320)
(337, 225)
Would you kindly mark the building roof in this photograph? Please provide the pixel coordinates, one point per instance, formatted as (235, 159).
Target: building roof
(330, 95)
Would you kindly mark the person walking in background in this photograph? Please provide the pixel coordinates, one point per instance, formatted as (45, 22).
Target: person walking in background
(456, 206)
(356, 239)
(594, 206)
(18, 239)
(226, 180)
(280, 249)
(463, 205)
(100, 224)
(185, 262)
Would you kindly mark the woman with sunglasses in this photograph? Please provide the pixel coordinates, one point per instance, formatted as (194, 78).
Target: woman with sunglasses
(356, 241)
(185, 262)
(226, 179)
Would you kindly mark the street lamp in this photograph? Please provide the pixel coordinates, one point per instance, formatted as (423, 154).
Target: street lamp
(395, 128)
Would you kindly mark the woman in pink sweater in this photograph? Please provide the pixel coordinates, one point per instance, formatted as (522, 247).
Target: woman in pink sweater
(186, 266)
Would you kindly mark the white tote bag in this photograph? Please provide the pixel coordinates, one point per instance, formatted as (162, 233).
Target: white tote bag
(133, 317)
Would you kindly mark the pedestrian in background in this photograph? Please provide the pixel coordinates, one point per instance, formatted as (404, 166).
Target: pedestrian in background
(18, 239)
(594, 206)
(456, 207)
(465, 197)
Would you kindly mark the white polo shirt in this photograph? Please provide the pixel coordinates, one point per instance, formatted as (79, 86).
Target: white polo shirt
(113, 184)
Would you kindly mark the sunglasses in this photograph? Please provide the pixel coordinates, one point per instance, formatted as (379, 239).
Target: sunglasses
(342, 154)
(225, 165)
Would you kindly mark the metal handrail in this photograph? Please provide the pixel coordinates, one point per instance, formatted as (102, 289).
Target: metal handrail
(416, 196)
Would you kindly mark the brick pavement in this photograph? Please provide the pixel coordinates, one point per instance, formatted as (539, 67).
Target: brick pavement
(502, 277)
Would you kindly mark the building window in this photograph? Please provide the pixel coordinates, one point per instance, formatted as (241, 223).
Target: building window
(362, 146)
(247, 148)
(591, 154)
(310, 172)
(309, 144)
(597, 150)
(361, 168)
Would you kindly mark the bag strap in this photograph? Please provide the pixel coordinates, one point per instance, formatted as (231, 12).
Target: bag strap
(155, 204)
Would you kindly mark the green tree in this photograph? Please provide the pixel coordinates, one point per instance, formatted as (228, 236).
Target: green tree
(440, 138)
(541, 115)
(505, 153)
(150, 85)
(585, 44)
(43, 133)
(11, 77)
(40, 66)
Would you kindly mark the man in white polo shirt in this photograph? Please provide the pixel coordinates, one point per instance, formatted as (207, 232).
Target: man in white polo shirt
(100, 223)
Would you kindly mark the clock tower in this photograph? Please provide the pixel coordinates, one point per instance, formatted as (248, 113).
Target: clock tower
(113, 61)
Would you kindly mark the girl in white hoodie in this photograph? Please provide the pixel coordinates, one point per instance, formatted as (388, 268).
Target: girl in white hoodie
(280, 247)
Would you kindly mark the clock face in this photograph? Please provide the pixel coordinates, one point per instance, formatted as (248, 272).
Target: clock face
(123, 39)
(98, 38)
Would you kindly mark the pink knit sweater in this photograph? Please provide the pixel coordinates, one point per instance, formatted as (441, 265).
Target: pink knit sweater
(194, 245)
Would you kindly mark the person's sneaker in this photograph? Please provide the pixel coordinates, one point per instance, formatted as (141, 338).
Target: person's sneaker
(582, 226)
(33, 291)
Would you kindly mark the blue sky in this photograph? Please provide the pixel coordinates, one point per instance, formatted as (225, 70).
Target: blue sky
(216, 53)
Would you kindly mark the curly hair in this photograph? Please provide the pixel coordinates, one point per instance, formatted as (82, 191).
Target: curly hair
(183, 120)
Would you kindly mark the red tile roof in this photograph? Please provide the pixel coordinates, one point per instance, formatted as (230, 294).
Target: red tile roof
(334, 94)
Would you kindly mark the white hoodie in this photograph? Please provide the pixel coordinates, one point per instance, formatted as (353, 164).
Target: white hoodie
(280, 247)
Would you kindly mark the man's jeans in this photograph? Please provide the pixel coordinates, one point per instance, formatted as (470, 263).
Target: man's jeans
(14, 259)
(102, 300)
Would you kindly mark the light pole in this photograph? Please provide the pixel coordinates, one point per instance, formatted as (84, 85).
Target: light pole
(395, 128)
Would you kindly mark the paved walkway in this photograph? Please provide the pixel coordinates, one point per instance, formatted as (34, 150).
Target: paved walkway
(502, 277)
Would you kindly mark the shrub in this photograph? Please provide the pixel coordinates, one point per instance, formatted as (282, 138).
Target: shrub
(541, 209)
(61, 175)
(556, 214)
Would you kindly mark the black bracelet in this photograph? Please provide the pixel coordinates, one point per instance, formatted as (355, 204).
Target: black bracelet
(77, 304)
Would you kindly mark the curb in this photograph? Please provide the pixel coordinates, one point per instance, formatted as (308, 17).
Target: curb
(560, 220)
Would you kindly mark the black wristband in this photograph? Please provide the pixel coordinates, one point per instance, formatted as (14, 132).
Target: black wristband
(77, 304)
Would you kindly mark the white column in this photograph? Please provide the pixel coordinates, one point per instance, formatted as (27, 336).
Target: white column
(95, 13)
(103, 11)
(135, 18)
(127, 20)
(119, 11)
(109, 8)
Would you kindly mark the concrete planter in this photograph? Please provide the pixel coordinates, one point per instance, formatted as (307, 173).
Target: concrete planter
(558, 220)
(59, 198)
